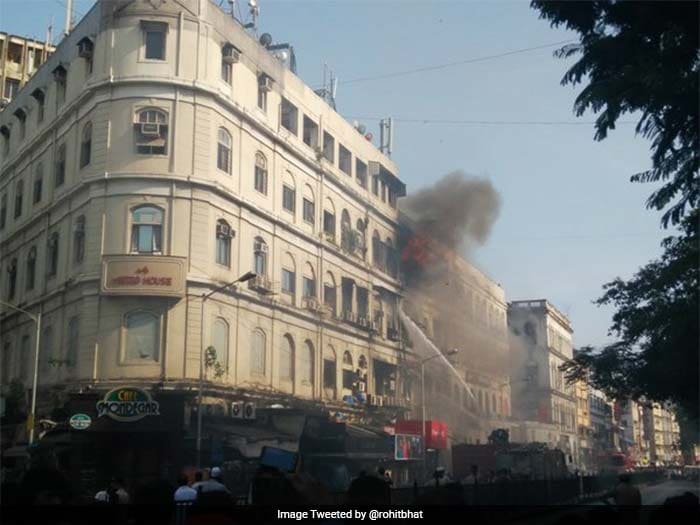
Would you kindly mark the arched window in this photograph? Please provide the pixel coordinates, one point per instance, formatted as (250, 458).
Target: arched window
(146, 229)
(329, 293)
(307, 363)
(223, 152)
(360, 229)
(257, 352)
(287, 358)
(289, 276)
(60, 166)
(52, 255)
(329, 372)
(289, 193)
(260, 257)
(86, 145)
(347, 359)
(309, 208)
(224, 233)
(19, 196)
(309, 284)
(349, 375)
(346, 240)
(151, 128)
(31, 268)
(260, 173)
(73, 341)
(219, 340)
(79, 239)
(142, 336)
(362, 362)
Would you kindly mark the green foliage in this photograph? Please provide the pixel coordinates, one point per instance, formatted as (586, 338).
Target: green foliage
(640, 57)
(211, 362)
(656, 321)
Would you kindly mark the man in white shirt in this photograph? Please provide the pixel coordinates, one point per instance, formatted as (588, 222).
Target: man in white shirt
(213, 484)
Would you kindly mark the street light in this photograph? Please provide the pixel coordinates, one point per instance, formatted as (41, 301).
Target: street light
(243, 278)
(422, 393)
(37, 319)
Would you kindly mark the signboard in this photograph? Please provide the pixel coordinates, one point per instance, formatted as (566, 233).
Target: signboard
(80, 421)
(127, 404)
(436, 435)
(408, 447)
(409, 426)
(152, 275)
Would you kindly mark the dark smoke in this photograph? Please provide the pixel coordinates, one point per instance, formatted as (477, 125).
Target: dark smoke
(455, 211)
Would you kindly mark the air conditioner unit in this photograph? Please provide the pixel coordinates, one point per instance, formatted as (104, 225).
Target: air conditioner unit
(249, 411)
(230, 55)
(149, 129)
(311, 303)
(264, 83)
(223, 230)
(237, 410)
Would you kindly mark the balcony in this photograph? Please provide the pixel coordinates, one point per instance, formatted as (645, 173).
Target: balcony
(262, 285)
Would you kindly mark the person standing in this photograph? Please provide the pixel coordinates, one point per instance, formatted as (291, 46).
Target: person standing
(184, 493)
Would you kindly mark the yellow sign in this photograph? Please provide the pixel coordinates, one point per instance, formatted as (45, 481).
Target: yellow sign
(151, 275)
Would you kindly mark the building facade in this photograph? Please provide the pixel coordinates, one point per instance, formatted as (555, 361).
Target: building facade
(634, 441)
(664, 435)
(20, 58)
(161, 152)
(464, 310)
(542, 399)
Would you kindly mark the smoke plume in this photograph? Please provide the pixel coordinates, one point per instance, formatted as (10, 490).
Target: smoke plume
(456, 211)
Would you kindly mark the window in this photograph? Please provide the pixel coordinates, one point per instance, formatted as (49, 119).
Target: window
(329, 370)
(362, 302)
(287, 358)
(227, 63)
(79, 240)
(361, 173)
(345, 231)
(383, 191)
(264, 85)
(40, 98)
(224, 233)
(154, 40)
(328, 147)
(288, 281)
(52, 255)
(223, 152)
(24, 358)
(329, 294)
(31, 268)
(142, 336)
(310, 132)
(86, 145)
(377, 250)
(309, 213)
(11, 88)
(219, 340)
(329, 224)
(289, 116)
(257, 350)
(309, 287)
(375, 184)
(349, 375)
(12, 279)
(19, 193)
(288, 198)
(307, 363)
(38, 183)
(146, 229)
(260, 256)
(347, 286)
(60, 76)
(151, 132)
(344, 160)
(3, 211)
(86, 49)
(60, 168)
(73, 341)
(22, 119)
(260, 173)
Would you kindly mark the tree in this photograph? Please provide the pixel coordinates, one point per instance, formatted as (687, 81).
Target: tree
(643, 58)
(640, 57)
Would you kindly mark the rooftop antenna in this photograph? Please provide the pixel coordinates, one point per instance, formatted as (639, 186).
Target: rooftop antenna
(330, 86)
(386, 135)
(254, 15)
(49, 33)
(69, 17)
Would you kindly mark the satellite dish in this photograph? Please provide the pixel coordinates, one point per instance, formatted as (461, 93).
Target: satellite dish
(369, 136)
(253, 3)
(361, 128)
(266, 39)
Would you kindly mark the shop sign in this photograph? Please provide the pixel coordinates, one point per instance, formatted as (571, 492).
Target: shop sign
(127, 404)
(80, 421)
(143, 275)
(407, 447)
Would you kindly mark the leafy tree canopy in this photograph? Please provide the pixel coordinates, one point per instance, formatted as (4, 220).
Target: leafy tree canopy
(640, 57)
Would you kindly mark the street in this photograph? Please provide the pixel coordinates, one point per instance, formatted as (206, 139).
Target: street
(657, 494)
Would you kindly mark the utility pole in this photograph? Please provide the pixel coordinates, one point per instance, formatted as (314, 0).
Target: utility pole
(69, 17)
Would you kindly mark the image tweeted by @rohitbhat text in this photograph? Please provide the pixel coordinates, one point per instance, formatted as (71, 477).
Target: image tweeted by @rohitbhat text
(355, 514)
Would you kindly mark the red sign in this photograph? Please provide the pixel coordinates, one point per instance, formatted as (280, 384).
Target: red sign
(435, 432)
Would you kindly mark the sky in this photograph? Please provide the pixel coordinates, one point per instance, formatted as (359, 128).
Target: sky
(570, 220)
